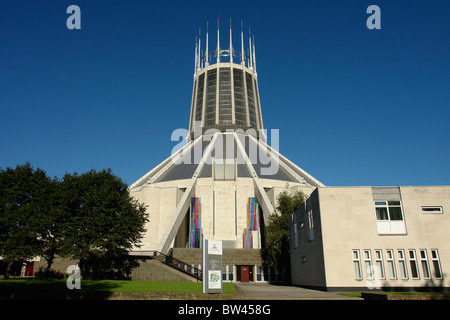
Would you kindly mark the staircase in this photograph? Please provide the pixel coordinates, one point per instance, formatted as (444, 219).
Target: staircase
(170, 261)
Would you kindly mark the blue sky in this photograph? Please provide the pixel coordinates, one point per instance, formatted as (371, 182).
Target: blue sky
(354, 106)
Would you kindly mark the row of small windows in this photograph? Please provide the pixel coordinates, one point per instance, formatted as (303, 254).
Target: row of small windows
(404, 265)
(243, 82)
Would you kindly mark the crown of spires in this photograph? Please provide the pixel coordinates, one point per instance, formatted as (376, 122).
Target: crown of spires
(205, 59)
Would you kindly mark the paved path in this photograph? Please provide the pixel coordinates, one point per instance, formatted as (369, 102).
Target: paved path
(280, 292)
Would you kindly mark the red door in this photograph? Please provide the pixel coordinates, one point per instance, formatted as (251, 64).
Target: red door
(245, 273)
(29, 269)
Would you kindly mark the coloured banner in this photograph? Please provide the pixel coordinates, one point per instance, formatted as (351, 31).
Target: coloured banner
(195, 223)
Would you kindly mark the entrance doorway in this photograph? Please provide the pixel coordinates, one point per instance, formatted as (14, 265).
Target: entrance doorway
(245, 273)
(29, 269)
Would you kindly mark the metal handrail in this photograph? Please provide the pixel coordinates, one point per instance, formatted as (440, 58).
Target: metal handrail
(179, 265)
(170, 261)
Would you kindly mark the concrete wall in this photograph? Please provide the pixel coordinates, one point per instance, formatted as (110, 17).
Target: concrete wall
(307, 259)
(229, 256)
(153, 270)
(223, 208)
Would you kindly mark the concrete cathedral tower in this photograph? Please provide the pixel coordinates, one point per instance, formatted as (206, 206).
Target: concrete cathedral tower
(225, 94)
(222, 184)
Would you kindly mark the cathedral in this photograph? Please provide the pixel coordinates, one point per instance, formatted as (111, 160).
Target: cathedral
(222, 184)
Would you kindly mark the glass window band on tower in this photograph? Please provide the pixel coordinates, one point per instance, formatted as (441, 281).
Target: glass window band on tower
(199, 102)
(229, 87)
(239, 99)
(225, 116)
(210, 104)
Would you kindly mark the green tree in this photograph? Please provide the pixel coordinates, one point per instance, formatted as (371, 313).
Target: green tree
(90, 217)
(51, 224)
(276, 251)
(104, 221)
(24, 197)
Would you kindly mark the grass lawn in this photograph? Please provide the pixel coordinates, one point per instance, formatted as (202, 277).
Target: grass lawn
(108, 286)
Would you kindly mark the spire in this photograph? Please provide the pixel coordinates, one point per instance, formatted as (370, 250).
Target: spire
(196, 55)
(199, 47)
(206, 52)
(231, 45)
(250, 46)
(246, 56)
(254, 55)
(242, 46)
(218, 42)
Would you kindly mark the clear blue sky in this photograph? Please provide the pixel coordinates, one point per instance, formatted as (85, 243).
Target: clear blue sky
(354, 106)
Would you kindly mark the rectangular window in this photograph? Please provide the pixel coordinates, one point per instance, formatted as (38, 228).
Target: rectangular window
(391, 264)
(231, 273)
(357, 265)
(224, 169)
(368, 265)
(436, 264)
(295, 226)
(389, 210)
(224, 272)
(413, 264)
(379, 264)
(310, 226)
(402, 264)
(295, 236)
(389, 216)
(259, 273)
(432, 210)
(227, 273)
(425, 265)
(382, 213)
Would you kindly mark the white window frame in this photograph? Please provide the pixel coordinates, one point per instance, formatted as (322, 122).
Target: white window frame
(413, 264)
(357, 264)
(379, 264)
(424, 263)
(432, 209)
(391, 264)
(436, 264)
(368, 264)
(259, 271)
(402, 264)
(390, 226)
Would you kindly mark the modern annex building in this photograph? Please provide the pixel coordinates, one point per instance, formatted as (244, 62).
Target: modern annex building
(360, 238)
(223, 183)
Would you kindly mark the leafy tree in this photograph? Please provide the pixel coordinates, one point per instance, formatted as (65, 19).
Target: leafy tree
(51, 224)
(276, 252)
(104, 221)
(24, 195)
(90, 217)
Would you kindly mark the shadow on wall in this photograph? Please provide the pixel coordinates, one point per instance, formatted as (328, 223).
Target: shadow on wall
(432, 285)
